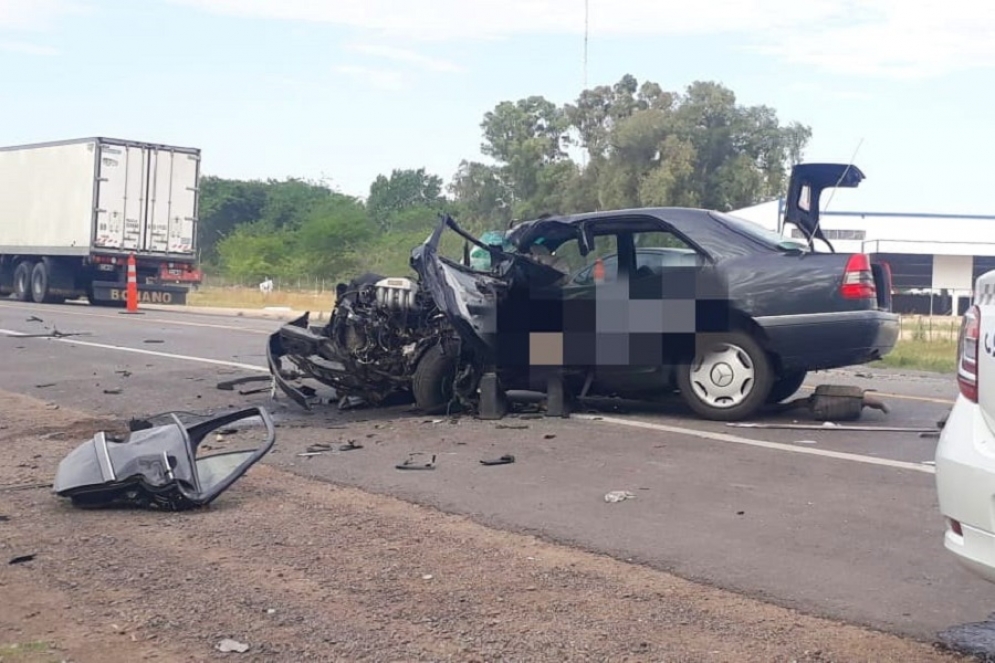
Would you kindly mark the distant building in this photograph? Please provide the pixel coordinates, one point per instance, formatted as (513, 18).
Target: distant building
(941, 254)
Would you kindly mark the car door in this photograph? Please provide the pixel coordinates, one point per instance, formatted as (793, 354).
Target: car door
(646, 320)
(594, 334)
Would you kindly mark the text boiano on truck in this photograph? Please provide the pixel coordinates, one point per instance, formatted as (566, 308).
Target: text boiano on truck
(71, 212)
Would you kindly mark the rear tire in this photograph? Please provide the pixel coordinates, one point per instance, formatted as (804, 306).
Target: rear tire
(786, 386)
(729, 379)
(22, 281)
(432, 383)
(40, 284)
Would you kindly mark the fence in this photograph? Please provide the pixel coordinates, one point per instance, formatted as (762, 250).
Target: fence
(313, 285)
(928, 305)
(929, 328)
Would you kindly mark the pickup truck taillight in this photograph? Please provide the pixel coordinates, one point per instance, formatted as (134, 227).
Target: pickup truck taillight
(858, 279)
(967, 354)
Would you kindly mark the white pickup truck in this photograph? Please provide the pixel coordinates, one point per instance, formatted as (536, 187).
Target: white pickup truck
(965, 454)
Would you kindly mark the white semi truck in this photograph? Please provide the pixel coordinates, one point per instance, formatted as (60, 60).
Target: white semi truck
(72, 212)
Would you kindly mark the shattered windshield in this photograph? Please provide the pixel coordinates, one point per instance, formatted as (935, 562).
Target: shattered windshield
(480, 259)
(457, 250)
(759, 234)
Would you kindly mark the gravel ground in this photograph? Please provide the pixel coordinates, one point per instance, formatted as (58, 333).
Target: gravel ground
(301, 570)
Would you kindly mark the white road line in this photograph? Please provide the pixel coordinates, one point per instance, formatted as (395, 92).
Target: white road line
(165, 321)
(632, 423)
(140, 351)
(277, 322)
(777, 446)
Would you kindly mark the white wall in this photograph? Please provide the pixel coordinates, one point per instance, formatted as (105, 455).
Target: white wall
(931, 232)
(915, 229)
(764, 214)
(952, 272)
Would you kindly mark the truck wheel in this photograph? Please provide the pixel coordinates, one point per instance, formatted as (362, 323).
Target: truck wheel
(786, 385)
(729, 379)
(39, 285)
(22, 281)
(432, 383)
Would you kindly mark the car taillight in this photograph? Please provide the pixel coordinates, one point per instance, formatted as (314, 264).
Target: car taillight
(967, 354)
(858, 280)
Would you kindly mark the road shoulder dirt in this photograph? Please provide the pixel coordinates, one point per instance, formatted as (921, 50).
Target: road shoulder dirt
(301, 570)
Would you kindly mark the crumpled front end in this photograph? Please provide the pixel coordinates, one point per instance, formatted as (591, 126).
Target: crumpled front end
(379, 328)
(495, 312)
(302, 348)
(468, 298)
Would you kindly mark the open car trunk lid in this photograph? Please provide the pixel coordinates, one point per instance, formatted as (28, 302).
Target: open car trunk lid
(808, 181)
(802, 210)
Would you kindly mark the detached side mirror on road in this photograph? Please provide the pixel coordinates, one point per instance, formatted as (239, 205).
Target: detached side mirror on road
(165, 466)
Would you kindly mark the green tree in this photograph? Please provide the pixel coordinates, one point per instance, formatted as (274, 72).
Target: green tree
(524, 137)
(332, 235)
(290, 202)
(228, 204)
(742, 152)
(309, 231)
(225, 204)
(699, 148)
(481, 195)
(644, 146)
(404, 189)
(253, 252)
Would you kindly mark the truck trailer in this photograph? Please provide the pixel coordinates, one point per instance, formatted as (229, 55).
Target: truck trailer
(72, 212)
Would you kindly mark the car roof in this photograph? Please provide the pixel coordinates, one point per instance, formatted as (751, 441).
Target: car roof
(686, 213)
(689, 221)
(684, 219)
(712, 231)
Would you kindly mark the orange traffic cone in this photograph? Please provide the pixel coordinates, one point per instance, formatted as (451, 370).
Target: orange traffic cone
(131, 293)
(599, 271)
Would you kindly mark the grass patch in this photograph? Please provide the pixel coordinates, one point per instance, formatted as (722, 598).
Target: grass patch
(244, 297)
(924, 328)
(938, 356)
(26, 652)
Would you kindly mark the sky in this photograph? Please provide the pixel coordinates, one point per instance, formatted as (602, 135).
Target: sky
(344, 90)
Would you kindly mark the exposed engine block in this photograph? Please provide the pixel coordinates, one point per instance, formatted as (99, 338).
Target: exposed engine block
(380, 324)
(396, 294)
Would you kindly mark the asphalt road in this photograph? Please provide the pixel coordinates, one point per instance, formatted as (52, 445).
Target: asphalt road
(834, 523)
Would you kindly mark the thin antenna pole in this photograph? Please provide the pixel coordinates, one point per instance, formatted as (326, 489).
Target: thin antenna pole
(846, 170)
(587, 15)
